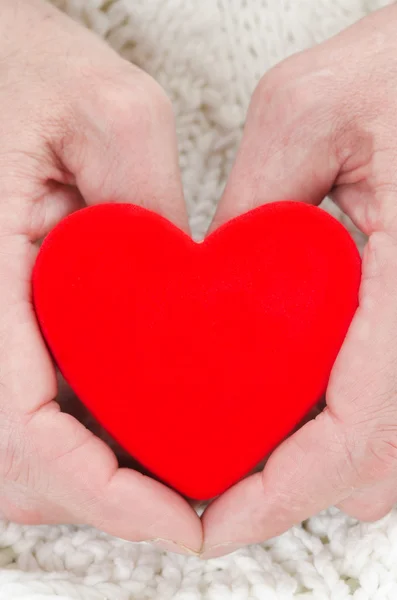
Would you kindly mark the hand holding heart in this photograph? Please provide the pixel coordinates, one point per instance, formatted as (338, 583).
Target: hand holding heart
(325, 121)
(76, 122)
(322, 121)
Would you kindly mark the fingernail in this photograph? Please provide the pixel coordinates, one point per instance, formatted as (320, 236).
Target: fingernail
(169, 546)
(220, 550)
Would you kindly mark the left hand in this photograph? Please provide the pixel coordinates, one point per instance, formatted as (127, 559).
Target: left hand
(79, 126)
(325, 121)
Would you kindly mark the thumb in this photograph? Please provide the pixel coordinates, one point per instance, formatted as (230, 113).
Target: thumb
(293, 486)
(123, 146)
(286, 151)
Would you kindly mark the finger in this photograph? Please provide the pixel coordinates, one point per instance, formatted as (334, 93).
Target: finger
(84, 484)
(22, 348)
(293, 486)
(124, 148)
(286, 152)
(350, 446)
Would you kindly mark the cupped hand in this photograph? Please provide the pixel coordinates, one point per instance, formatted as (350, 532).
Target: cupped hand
(325, 121)
(78, 125)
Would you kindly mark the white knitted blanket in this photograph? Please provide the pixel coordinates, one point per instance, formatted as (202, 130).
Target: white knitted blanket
(208, 54)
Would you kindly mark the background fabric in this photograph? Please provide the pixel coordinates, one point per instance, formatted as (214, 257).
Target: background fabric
(208, 55)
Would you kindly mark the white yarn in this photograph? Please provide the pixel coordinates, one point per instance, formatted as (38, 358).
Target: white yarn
(208, 55)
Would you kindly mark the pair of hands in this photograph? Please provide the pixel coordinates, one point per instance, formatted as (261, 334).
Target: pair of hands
(81, 126)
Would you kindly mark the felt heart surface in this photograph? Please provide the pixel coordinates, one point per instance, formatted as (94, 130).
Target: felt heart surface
(198, 358)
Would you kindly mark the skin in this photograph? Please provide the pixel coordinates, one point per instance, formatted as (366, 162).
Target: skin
(324, 121)
(78, 125)
(81, 126)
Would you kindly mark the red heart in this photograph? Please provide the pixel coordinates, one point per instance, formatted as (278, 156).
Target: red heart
(198, 358)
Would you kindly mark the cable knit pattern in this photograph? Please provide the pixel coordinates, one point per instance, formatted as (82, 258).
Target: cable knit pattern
(208, 55)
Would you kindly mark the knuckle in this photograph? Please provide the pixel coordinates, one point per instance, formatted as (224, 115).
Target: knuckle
(291, 97)
(282, 87)
(271, 92)
(139, 105)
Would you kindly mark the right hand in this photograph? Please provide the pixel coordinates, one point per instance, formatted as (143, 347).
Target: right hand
(324, 122)
(78, 125)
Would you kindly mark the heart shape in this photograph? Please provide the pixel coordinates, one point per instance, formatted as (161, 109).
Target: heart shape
(199, 358)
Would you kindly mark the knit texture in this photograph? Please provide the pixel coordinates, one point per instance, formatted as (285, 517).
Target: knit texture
(208, 55)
